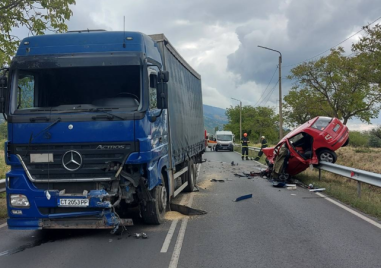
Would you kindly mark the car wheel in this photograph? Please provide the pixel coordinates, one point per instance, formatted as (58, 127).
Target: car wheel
(326, 155)
(346, 143)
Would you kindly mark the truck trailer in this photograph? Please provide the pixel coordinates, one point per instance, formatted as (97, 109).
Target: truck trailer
(98, 123)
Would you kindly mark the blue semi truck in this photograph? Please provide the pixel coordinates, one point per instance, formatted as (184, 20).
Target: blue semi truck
(98, 123)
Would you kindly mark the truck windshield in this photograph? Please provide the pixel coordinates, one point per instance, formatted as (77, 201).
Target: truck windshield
(224, 137)
(65, 88)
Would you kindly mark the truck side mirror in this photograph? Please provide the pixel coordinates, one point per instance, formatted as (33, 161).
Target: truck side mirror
(162, 95)
(3, 90)
(164, 76)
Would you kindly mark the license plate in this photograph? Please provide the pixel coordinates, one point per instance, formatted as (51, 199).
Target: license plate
(73, 202)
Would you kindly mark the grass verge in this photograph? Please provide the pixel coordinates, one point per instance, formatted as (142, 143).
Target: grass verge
(3, 202)
(345, 189)
(3, 206)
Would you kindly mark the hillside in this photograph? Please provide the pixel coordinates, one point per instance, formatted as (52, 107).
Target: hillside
(214, 117)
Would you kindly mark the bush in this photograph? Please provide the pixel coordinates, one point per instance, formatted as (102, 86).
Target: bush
(374, 141)
(358, 139)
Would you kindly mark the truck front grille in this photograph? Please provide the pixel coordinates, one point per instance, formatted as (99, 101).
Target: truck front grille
(94, 161)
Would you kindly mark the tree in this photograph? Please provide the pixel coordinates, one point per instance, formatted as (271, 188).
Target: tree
(303, 105)
(256, 122)
(340, 85)
(38, 16)
(369, 50)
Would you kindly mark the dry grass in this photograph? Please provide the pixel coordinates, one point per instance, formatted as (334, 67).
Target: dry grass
(3, 206)
(345, 189)
(3, 169)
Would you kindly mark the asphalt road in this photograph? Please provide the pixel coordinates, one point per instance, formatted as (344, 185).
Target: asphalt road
(274, 228)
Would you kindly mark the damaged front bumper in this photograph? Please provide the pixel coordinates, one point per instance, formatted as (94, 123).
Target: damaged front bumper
(47, 212)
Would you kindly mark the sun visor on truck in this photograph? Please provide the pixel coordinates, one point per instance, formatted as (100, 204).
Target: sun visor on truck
(78, 60)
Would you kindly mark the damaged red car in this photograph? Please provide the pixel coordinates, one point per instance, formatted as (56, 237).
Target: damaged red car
(313, 142)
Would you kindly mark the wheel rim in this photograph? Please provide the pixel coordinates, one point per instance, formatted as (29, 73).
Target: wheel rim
(327, 157)
(163, 199)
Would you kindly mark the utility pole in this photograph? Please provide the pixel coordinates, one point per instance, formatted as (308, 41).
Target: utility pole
(280, 91)
(240, 118)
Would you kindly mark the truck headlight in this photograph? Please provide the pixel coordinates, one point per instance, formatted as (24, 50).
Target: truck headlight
(19, 200)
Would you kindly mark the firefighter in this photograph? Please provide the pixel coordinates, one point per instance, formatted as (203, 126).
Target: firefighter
(245, 144)
(263, 145)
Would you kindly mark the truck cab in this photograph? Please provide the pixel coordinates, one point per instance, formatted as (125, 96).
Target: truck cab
(88, 130)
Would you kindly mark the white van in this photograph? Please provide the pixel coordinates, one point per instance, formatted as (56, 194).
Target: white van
(224, 140)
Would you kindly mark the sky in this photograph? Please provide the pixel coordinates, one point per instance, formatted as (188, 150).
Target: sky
(220, 39)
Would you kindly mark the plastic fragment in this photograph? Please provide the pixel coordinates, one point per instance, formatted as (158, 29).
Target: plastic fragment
(317, 190)
(243, 197)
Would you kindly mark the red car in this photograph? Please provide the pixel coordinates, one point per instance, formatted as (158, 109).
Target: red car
(314, 141)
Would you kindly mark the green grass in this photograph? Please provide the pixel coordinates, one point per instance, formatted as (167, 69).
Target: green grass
(3, 206)
(345, 190)
(3, 169)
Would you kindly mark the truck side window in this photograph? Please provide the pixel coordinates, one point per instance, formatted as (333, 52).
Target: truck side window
(152, 91)
(25, 91)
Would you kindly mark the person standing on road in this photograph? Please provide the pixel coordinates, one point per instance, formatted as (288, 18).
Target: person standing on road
(245, 144)
(263, 145)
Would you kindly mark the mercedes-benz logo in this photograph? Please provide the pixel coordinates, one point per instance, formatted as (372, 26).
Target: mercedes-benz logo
(72, 160)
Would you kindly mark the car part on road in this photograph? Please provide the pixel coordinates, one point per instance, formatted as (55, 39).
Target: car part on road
(214, 180)
(243, 197)
(317, 190)
(185, 210)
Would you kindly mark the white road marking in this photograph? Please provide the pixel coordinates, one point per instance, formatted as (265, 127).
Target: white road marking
(168, 238)
(378, 225)
(3, 225)
(180, 238)
(178, 245)
(172, 229)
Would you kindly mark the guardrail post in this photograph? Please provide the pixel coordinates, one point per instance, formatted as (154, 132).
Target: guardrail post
(359, 189)
(319, 174)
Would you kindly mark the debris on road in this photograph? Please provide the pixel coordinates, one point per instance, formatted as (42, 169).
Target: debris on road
(185, 210)
(279, 184)
(240, 175)
(317, 190)
(232, 163)
(243, 197)
(215, 180)
(144, 236)
(310, 186)
(291, 186)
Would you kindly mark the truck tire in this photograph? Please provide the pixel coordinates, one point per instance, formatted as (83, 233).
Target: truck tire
(191, 177)
(154, 211)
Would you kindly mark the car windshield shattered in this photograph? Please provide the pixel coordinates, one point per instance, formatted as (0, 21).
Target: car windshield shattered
(64, 88)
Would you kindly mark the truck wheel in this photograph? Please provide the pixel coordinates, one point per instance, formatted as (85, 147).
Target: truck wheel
(191, 177)
(154, 211)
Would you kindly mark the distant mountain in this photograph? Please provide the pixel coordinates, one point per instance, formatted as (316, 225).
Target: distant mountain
(214, 117)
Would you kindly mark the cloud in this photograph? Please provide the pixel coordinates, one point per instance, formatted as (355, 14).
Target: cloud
(220, 38)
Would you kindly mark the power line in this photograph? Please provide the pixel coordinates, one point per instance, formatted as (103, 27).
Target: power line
(362, 29)
(268, 94)
(263, 93)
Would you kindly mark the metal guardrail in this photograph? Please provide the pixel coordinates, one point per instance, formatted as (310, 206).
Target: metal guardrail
(352, 173)
(257, 149)
(2, 185)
